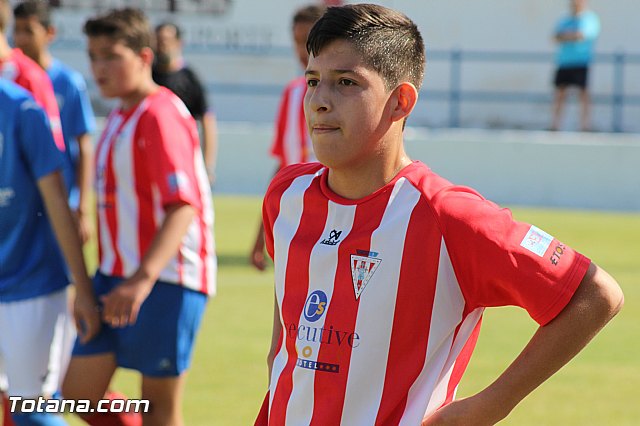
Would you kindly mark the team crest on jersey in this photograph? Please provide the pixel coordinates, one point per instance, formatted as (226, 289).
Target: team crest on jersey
(363, 266)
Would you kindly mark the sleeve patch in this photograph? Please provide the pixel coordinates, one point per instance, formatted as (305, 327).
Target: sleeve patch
(177, 182)
(536, 241)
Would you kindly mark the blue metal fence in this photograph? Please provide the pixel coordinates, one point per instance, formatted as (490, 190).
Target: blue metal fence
(616, 99)
(456, 95)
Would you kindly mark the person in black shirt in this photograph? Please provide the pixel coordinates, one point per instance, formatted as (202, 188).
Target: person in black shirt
(170, 70)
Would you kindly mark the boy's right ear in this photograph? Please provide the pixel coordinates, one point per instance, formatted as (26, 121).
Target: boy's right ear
(51, 33)
(406, 96)
(147, 55)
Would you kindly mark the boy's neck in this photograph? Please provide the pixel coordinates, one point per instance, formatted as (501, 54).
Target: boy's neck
(5, 49)
(355, 183)
(44, 59)
(135, 97)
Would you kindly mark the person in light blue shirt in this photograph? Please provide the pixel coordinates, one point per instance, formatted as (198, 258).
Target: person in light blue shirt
(576, 35)
(33, 32)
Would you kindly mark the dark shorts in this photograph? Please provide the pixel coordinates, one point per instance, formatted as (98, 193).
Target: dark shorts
(571, 76)
(160, 343)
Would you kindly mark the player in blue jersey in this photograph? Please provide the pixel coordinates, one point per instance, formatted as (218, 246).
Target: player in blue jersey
(37, 235)
(33, 32)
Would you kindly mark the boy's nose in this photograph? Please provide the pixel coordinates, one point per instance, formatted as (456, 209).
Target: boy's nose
(317, 99)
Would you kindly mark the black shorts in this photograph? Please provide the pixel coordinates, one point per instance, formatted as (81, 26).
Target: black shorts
(571, 76)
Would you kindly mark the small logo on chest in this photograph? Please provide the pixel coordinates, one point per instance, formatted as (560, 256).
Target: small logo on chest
(363, 266)
(334, 238)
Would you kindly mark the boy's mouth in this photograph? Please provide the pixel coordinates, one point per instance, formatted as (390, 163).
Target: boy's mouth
(324, 128)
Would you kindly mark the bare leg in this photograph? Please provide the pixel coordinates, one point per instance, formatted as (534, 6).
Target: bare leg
(165, 398)
(88, 377)
(257, 252)
(585, 110)
(558, 104)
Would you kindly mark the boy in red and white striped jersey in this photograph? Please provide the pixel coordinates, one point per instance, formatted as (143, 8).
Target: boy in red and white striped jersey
(383, 268)
(291, 142)
(155, 229)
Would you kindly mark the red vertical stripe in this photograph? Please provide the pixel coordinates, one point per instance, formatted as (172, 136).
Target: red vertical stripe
(278, 144)
(411, 322)
(461, 362)
(312, 224)
(343, 310)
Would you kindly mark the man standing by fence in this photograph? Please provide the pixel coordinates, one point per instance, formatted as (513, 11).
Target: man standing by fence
(576, 35)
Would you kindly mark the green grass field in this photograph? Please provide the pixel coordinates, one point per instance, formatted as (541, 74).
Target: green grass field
(228, 377)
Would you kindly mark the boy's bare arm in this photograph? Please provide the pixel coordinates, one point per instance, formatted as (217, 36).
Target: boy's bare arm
(122, 304)
(569, 36)
(54, 195)
(210, 143)
(595, 302)
(85, 184)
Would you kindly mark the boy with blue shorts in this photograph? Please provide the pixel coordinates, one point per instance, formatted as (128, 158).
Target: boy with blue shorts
(37, 235)
(155, 230)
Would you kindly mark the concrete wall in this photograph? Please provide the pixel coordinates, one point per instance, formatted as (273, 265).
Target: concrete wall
(573, 170)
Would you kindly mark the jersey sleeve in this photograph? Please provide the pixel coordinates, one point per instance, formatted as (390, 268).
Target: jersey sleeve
(271, 202)
(39, 84)
(499, 261)
(36, 141)
(166, 139)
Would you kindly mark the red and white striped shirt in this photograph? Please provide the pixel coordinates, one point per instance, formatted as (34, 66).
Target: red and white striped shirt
(381, 298)
(22, 70)
(147, 159)
(292, 143)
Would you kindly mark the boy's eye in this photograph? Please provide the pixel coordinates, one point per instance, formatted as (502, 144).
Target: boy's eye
(312, 83)
(346, 82)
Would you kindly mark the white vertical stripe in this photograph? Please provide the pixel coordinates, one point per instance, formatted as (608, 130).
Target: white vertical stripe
(292, 143)
(199, 234)
(284, 229)
(102, 157)
(429, 390)
(323, 263)
(127, 208)
(208, 213)
(439, 394)
(374, 325)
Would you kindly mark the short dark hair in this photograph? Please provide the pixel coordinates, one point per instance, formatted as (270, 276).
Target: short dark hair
(38, 8)
(308, 14)
(129, 25)
(387, 41)
(173, 25)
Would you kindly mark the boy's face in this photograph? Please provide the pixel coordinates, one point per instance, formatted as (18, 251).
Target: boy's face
(117, 69)
(347, 108)
(31, 36)
(301, 31)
